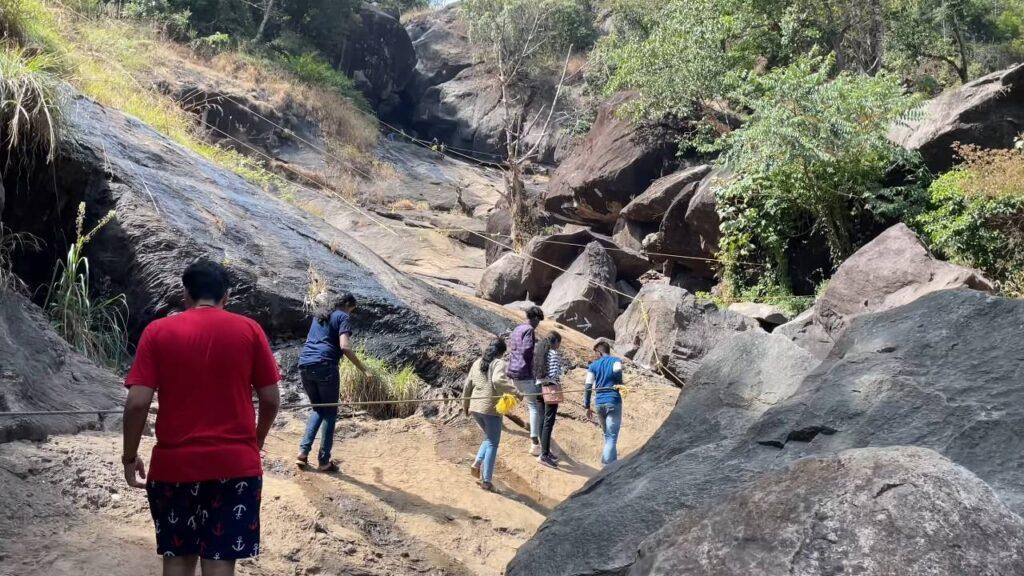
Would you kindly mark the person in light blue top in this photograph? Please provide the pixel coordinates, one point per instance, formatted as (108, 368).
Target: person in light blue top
(603, 375)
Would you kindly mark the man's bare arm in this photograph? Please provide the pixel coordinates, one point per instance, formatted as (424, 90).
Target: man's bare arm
(345, 343)
(269, 403)
(136, 410)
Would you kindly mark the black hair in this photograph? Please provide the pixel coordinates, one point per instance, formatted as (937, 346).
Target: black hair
(534, 313)
(493, 352)
(343, 301)
(205, 280)
(540, 354)
(603, 346)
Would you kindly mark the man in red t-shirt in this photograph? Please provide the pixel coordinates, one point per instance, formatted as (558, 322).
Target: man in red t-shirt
(205, 476)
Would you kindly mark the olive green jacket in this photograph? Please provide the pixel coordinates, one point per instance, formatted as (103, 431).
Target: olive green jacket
(483, 388)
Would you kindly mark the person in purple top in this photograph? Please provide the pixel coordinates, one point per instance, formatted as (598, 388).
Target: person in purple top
(520, 370)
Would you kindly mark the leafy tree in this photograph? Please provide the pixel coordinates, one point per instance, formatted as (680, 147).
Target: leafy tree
(813, 148)
(520, 38)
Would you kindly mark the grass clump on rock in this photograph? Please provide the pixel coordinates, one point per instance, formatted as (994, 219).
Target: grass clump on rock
(381, 383)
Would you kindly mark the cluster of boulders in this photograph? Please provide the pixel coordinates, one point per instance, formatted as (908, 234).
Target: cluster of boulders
(892, 449)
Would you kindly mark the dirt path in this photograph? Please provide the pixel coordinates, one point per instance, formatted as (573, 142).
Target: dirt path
(403, 503)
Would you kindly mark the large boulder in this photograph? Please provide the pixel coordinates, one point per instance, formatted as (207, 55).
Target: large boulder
(548, 256)
(40, 371)
(582, 297)
(379, 57)
(651, 205)
(898, 511)
(668, 329)
(615, 162)
(893, 269)
(688, 238)
(987, 112)
(630, 234)
(456, 98)
(173, 207)
(943, 372)
(767, 316)
(736, 384)
(502, 281)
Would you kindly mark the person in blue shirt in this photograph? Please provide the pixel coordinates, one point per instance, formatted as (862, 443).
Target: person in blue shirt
(603, 375)
(329, 340)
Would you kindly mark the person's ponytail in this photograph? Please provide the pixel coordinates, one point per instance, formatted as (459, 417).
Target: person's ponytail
(323, 313)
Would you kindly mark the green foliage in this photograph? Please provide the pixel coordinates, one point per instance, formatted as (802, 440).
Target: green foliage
(813, 149)
(935, 42)
(402, 6)
(310, 67)
(94, 328)
(675, 56)
(763, 292)
(979, 226)
(528, 31)
(381, 383)
(210, 46)
(11, 242)
(31, 100)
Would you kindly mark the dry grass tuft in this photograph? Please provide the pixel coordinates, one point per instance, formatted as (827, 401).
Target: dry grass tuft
(382, 383)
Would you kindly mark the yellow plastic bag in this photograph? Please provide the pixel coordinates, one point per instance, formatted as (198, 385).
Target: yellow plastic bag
(621, 390)
(506, 404)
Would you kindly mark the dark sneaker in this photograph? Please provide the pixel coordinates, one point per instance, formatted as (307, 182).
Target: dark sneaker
(547, 461)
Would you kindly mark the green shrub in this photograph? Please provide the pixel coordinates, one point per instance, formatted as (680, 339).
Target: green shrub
(812, 153)
(312, 68)
(543, 28)
(94, 328)
(210, 46)
(11, 242)
(976, 215)
(382, 382)
(32, 100)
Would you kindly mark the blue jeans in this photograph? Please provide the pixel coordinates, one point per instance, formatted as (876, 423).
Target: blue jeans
(488, 451)
(321, 383)
(534, 404)
(611, 418)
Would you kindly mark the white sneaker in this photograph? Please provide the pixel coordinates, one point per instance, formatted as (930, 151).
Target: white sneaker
(535, 450)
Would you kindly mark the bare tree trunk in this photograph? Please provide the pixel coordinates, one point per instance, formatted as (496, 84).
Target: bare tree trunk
(876, 38)
(524, 221)
(267, 8)
(961, 46)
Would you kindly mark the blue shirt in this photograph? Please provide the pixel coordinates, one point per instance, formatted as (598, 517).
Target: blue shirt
(602, 375)
(322, 340)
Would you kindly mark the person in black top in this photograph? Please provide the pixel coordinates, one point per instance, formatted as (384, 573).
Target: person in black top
(328, 341)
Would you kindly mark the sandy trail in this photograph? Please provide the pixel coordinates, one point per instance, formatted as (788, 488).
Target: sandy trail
(403, 502)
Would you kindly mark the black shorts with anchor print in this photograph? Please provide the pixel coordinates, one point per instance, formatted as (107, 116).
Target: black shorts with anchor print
(214, 519)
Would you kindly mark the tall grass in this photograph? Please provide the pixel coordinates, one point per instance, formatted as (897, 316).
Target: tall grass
(32, 101)
(94, 328)
(382, 382)
(11, 242)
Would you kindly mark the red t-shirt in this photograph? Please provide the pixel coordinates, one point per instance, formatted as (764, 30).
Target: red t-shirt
(204, 364)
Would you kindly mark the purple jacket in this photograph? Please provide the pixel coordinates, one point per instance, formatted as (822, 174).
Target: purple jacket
(520, 353)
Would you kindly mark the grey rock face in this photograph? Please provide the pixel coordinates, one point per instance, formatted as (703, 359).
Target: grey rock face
(40, 371)
(651, 205)
(455, 96)
(630, 234)
(614, 163)
(549, 255)
(943, 372)
(690, 229)
(678, 467)
(767, 316)
(579, 297)
(987, 112)
(666, 326)
(893, 269)
(174, 207)
(378, 55)
(896, 511)
(502, 281)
